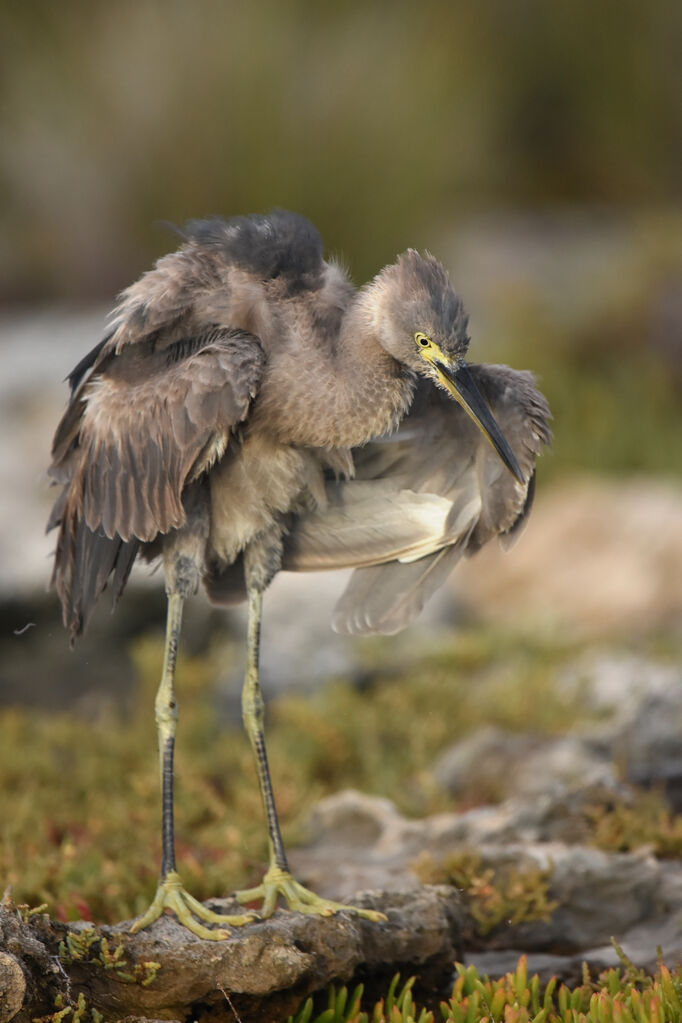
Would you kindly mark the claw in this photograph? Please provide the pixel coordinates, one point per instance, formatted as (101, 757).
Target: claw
(278, 882)
(171, 895)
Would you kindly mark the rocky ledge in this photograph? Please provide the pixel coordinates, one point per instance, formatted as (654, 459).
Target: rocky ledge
(262, 973)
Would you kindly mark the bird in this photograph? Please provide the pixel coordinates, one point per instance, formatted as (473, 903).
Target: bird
(250, 411)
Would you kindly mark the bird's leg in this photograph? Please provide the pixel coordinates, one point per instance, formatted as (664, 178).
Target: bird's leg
(278, 880)
(170, 893)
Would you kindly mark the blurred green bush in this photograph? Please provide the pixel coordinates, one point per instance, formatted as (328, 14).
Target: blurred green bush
(383, 122)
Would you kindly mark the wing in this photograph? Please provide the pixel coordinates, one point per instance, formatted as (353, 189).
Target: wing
(146, 422)
(154, 403)
(422, 498)
(152, 407)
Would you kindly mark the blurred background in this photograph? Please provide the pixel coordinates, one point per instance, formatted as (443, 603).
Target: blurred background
(535, 148)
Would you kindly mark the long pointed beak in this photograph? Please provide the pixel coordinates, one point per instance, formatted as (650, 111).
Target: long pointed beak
(461, 386)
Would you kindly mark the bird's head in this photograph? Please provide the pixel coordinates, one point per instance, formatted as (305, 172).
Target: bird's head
(423, 324)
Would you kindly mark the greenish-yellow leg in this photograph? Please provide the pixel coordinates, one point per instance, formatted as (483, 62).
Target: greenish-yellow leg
(170, 893)
(278, 880)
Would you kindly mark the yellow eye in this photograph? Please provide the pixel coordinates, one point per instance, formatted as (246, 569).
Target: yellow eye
(422, 340)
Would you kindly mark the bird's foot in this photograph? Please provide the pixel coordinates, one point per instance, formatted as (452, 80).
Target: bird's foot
(171, 895)
(278, 882)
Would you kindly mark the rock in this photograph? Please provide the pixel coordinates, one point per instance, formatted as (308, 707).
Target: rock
(264, 971)
(617, 686)
(358, 836)
(597, 555)
(42, 976)
(483, 758)
(599, 894)
(12, 987)
(632, 897)
(561, 765)
(506, 763)
(639, 702)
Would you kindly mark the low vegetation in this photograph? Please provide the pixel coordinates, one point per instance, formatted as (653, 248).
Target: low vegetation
(79, 800)
(623, 995)
(492, 896)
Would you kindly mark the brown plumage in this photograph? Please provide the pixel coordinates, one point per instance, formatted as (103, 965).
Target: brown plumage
(169, 395)
(249, 410)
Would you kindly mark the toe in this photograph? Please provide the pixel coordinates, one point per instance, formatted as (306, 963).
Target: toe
(172, 896)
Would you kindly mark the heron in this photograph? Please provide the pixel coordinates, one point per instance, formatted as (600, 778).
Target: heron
(249, 411)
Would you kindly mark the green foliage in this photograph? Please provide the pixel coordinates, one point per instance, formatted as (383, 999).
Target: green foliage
(396, 1007)
(24, 911)
(645, 820)
(76, 1012)
(616, 996)
(87, 946)
(417, 112)
(591, 326)
(492, 896)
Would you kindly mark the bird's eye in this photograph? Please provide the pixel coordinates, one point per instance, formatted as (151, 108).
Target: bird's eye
(422, 340)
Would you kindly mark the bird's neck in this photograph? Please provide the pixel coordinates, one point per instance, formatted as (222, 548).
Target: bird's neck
(344, 393)
(379, 387)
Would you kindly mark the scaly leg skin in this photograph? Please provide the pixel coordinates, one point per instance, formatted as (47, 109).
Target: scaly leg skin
(278, 880)
(170, 893)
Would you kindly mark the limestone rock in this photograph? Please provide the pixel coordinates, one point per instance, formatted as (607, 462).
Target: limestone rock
(264, 971)
(630, 896)
(12, 987)
(527, 766)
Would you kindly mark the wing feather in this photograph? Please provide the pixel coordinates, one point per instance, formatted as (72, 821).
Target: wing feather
(386, 598)
(139, 428)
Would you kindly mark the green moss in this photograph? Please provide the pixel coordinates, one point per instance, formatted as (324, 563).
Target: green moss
(88, 946)
(645, 820)
(492, 896)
